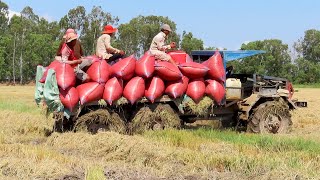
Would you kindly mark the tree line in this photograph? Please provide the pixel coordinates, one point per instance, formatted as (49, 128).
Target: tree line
(27, 40)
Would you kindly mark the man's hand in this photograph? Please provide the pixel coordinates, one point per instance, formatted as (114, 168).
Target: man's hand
(122, 52)
(173, 44)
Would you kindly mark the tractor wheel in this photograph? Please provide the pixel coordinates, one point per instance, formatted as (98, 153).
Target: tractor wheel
(143, 119)
(166, 117)
(61, 123)
(270, 117)
(100, 120)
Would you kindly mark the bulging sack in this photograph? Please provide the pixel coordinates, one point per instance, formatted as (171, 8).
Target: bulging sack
(91, 91)
(154, 89)
(167, 71)
(216, 67)
(180, 57)
(99, 71)
(93, 58)
(66, 77)
(193, 70)
(176, 89)
(113, 90)
(145, 66)
(196, 89)
(52, 65)
(124, 68)
(216, 91)
(134, 89)
(69, 98)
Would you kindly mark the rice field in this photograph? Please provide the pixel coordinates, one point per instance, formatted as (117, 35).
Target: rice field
(29, 151)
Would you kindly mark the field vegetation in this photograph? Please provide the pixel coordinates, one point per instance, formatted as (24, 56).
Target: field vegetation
(28, 149)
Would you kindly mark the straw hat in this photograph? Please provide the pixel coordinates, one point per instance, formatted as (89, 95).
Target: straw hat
(70, 37)
(69, 31)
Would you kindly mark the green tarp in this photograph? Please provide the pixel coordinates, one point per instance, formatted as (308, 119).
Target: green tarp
(38, 95)
(51, 93)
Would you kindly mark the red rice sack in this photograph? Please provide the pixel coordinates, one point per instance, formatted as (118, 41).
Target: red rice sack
(193, 70)
(99, 71)
(216, 67)
(196, 89)
(145, 66)
(93, 58)
(134, 89)
(113, 90)
(177, 88)
(65, 75)
(154, 89)
(69, 98)
(180, 57)
(216, 91)
(91, 91)
(124, 68)
(52, 65)
(167, 71)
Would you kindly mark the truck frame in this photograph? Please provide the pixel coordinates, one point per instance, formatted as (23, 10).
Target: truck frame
(262, 104)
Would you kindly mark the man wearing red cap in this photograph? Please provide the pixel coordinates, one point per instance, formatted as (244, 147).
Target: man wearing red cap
(78, 51)
(158, 48)
(104, 49)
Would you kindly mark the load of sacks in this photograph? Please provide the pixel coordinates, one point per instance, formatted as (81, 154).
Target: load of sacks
(146, 77)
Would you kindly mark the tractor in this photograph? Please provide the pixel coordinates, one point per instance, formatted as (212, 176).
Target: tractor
(256, 103)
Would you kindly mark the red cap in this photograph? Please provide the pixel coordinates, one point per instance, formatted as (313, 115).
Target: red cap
(108, 29)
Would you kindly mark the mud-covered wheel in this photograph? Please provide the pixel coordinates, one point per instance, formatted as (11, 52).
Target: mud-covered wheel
(100, 120)
(166, 117)
(270, 117)
(61, 123)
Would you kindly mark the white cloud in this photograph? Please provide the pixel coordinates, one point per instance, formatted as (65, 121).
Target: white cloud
(11, 13)
(46, 16)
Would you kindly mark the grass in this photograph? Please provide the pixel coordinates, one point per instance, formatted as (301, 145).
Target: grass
(313, 85)
(27, 152)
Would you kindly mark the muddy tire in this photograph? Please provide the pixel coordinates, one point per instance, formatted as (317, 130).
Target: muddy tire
(100, 120)
(61, 123)
(270, 117)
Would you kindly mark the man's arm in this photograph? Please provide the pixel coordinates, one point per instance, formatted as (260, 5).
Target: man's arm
(109, 48)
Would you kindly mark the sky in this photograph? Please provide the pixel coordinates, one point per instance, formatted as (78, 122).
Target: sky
(227, 23)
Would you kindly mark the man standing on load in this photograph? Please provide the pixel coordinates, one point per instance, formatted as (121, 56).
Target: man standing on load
(104, 49)
(157, 47)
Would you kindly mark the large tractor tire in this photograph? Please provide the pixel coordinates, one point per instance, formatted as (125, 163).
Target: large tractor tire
(143, 119)
(163, 117)
(100, 120)
(270, 117)
(167, 117)
(61, 123)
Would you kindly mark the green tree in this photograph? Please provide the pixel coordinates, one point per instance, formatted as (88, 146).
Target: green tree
(96, 20)
(309, 45)
(275, 62)
(307, 71)
(3, 16)
(190, 43)
(136, 36)
(75, 19)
